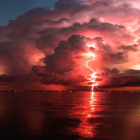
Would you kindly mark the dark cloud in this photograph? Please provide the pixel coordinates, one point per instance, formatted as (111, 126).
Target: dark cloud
(18, 79)
(115, 58)
(126, 80)
(65, 53)
(29, 16)
(132, 71)
(108, 72)
(69, 4)
(129, 77)
(134, 48)
(49, 78)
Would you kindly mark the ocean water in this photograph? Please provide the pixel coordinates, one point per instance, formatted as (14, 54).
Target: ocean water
(70, 115)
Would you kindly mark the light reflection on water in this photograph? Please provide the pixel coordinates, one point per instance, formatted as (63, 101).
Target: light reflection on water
(74, 116)
(85, 129)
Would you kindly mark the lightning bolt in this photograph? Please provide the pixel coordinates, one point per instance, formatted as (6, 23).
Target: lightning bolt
(93, 76)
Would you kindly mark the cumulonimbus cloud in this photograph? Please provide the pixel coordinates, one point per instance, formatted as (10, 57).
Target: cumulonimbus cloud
(49, 44)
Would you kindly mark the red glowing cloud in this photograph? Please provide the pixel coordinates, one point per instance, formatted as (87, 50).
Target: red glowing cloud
(80, 42)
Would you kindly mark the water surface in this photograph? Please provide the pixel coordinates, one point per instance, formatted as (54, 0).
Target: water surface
(70, 115)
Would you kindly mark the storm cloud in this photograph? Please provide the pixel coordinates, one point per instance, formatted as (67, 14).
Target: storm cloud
(52, 46)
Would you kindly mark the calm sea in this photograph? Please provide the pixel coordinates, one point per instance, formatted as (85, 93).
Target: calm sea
(70, 115)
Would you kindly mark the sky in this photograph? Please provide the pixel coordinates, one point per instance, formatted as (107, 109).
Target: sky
(11, 9)
(69, 44)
